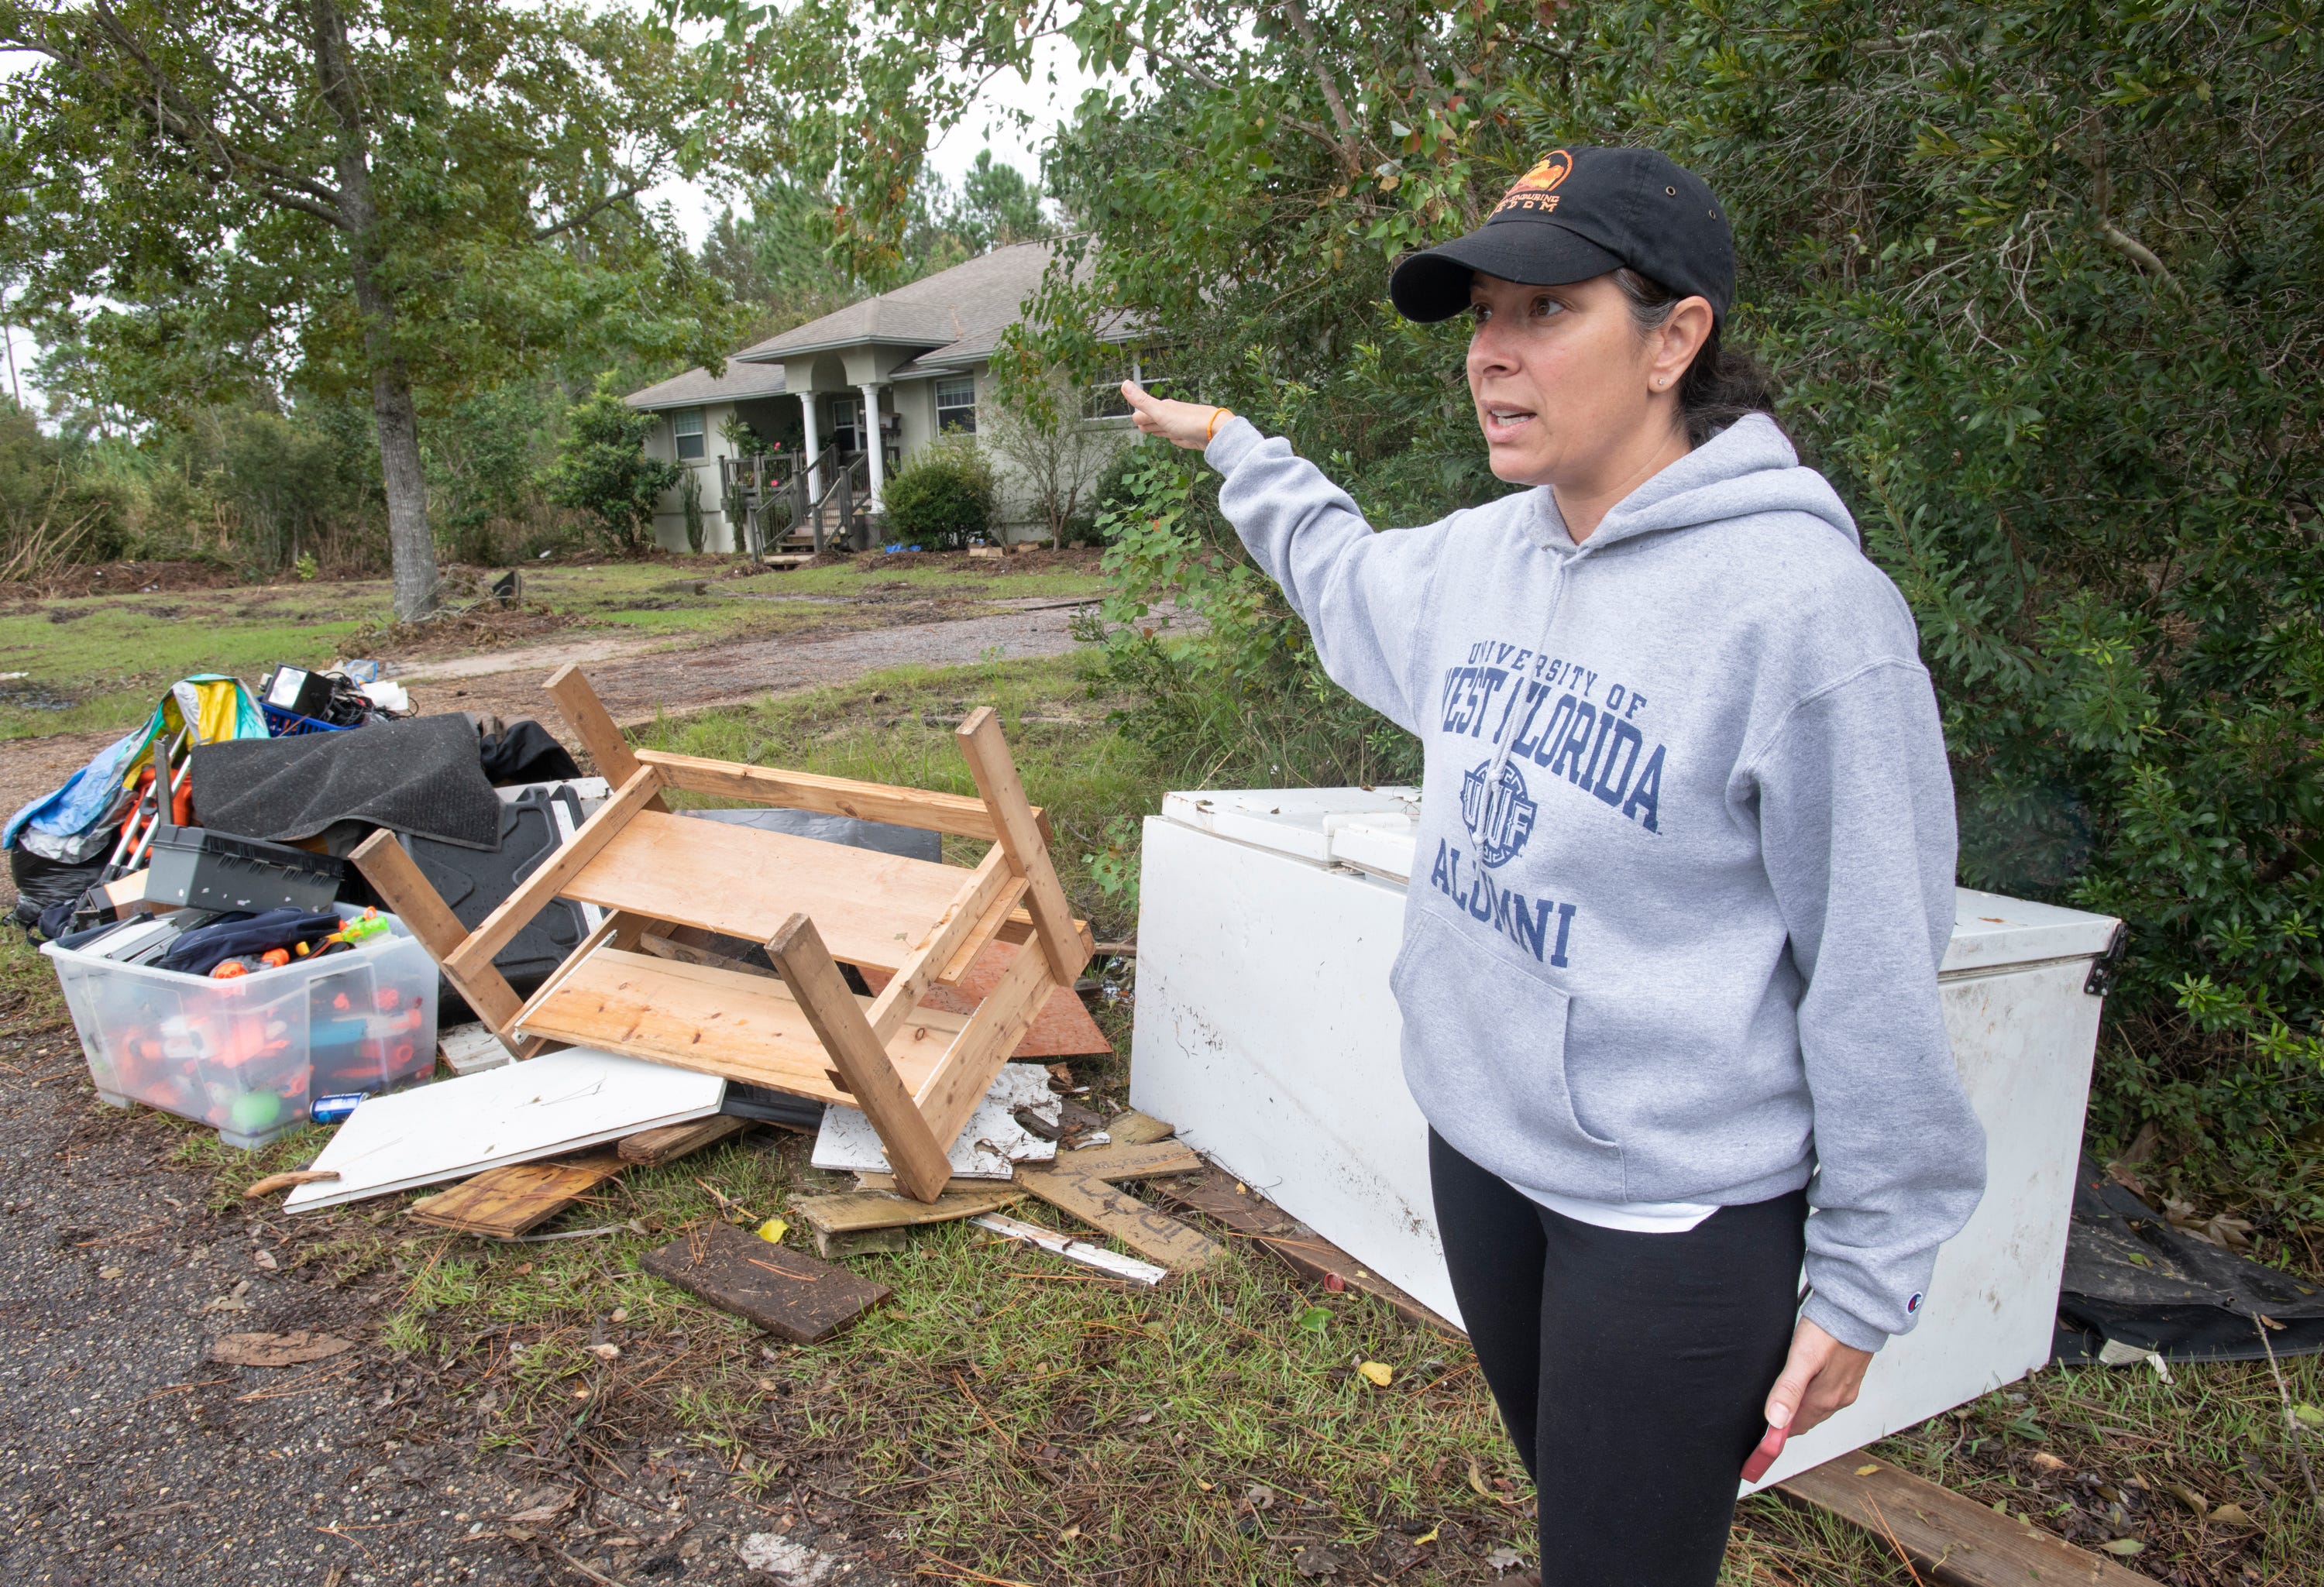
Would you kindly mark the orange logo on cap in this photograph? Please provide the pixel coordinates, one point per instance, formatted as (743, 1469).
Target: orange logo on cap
(1537, 189)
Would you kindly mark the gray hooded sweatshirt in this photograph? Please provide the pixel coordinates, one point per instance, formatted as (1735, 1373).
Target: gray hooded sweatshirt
(1686, 861)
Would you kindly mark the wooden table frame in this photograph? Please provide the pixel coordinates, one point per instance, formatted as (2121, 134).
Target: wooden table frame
(916, 1073)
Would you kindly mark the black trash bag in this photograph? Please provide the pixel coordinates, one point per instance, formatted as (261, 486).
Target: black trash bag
(44, 886)
(523, 752)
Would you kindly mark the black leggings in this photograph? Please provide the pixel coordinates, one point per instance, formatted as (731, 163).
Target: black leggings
(1631, 1369)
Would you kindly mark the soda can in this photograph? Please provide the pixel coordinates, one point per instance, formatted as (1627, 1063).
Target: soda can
(334, 1110)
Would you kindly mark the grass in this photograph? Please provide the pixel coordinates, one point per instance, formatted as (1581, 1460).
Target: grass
(98, 663)
(1007, 1416)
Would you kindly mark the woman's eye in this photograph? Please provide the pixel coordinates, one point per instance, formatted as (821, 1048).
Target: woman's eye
(1480, 312)
(1544, 307)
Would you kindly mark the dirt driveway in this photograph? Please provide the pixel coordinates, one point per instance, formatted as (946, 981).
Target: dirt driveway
(638, 680)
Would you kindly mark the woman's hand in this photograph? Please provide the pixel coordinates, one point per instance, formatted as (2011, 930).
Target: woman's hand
(1821, 1375)
(1182, 424)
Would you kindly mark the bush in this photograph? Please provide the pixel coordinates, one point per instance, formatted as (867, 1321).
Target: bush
(942, 498)
(601, 466)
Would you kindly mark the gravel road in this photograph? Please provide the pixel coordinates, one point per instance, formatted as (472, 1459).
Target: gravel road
(126, 1456)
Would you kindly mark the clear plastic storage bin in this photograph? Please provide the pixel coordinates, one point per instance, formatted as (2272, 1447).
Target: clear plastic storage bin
(247, 1056)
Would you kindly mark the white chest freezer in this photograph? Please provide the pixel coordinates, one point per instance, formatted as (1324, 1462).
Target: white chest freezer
(1266, 1032)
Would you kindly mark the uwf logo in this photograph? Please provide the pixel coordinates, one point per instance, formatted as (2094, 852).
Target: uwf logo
(1498, 816)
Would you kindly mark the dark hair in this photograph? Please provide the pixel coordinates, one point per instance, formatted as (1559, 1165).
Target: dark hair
(1721, 386)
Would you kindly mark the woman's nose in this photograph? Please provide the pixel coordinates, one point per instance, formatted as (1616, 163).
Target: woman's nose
(1489, 352)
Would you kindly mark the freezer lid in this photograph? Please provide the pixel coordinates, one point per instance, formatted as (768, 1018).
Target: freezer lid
(1374, 829)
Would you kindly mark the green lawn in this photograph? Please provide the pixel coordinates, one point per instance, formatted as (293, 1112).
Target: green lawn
(100, 661)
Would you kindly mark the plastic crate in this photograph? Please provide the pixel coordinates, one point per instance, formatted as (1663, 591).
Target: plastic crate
(247, 1056)
(283, 724)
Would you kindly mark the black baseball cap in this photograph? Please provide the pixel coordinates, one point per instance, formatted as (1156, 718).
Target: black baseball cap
(1579, 213)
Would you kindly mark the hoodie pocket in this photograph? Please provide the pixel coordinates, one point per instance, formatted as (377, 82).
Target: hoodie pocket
(1485, 1044)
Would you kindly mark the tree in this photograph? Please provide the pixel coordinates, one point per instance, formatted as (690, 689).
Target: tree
(386, 196)
(1058, 454)
(601, 466)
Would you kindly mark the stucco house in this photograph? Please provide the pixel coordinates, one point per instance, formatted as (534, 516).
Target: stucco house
(915, 360)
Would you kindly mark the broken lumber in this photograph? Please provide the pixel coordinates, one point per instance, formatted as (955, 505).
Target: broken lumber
(1132, 1128)
(1112, 1264)
(1117, 1162)
(1953, 1537)
(788, 1293)
(503, 1202)
(649, 1149)
(1217, 1195)
(1119, 1216)
(846, 1223)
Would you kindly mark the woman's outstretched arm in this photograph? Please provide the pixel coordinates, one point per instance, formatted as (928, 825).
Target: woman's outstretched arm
(1362, 594)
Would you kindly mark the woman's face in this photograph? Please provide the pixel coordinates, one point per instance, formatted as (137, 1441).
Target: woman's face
(1565, 387)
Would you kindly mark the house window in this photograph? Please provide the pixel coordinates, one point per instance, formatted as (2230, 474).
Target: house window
(687, 425)
(1105, 401)
(956, 405)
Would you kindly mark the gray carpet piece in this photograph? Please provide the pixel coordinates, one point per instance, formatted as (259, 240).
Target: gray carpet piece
(910, 842)
(421, 778)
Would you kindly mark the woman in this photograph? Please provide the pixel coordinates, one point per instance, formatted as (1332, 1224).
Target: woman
(1684, 873)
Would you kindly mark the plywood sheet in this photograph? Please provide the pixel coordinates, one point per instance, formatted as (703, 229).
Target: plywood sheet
(746, 1028)
(788, 1293)
(650, 1149)
(1156, 1236)
(870, 908)
(541, 1108)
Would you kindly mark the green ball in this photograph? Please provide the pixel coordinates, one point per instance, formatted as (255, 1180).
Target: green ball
(255, 1110)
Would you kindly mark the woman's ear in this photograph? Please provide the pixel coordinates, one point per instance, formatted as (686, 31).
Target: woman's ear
(1675, 342)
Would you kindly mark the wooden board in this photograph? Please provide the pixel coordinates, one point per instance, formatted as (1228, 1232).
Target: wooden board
(951, 1095)
(1019, 833)
(869, 908)
(501, 1203)
(833, 796)
(714, 1021)
(650, 1149)
(1132, 1128)
(870, 1208)
(1117, 1162)
(1062, 1028)
(788, 1293)
(1953, 1539)
(1112, 1263)
(1300, 1248)
(1153, 1235)
(606, 827)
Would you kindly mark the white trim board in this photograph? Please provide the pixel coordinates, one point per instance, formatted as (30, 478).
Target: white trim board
(556, 1103)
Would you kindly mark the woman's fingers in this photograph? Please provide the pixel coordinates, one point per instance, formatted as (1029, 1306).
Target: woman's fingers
(1185, 424)
(1792, 1388)
(1821, 1375)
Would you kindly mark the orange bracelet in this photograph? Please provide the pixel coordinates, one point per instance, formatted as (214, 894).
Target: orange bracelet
(1217, 414)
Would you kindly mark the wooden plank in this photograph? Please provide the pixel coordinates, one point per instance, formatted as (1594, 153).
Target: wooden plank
(496, 930)
(650, 1149)
(1216, 1194)
(870, 1208)
(1003, 792)
(972, 947)
(1116, 1162)
(413, 899)
(786, 1292)
(1132, 1128)
(915, 1152)
(1112, 1264)
(870, 908)
(1953, 1539)
(833, 796)
(715, 1022)
(862, 1243)
(1153, 1235)
(594, 725)
(948, 1096)
(976, 899)
(501, 1203)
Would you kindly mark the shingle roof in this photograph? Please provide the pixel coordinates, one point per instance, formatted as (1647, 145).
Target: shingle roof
(698, 386)
(978, 298)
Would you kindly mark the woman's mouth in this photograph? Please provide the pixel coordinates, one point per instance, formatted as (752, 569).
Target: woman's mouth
(1503, 421)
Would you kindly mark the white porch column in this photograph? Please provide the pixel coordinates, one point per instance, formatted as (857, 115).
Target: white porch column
(814, 444)
(873, 450)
